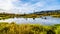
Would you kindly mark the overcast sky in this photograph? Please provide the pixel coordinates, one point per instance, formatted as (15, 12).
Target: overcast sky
(28, 6)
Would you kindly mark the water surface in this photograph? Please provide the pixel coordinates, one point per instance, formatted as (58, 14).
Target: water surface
(42, 20)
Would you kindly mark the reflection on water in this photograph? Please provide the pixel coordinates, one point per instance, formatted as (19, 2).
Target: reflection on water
(48, 20)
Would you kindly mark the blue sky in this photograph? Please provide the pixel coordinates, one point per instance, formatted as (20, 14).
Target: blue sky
(28, 6)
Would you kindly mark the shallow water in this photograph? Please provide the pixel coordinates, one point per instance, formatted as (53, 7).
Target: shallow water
(49, 20)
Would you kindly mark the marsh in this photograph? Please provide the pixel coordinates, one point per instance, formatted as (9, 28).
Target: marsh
(49, 20)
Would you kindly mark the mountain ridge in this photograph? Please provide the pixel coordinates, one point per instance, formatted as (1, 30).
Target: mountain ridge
(55, 11)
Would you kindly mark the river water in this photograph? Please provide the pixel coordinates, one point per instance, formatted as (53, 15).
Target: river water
(48, 20)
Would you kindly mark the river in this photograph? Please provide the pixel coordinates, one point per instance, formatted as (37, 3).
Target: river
(48, 20)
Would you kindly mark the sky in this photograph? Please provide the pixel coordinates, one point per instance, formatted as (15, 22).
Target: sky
(28, 6)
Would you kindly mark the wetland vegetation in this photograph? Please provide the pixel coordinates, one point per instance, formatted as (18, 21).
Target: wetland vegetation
(14, 28)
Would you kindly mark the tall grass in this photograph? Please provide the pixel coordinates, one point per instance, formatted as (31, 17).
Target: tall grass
(13, 28)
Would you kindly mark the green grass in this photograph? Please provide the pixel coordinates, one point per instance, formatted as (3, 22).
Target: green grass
(13, 28)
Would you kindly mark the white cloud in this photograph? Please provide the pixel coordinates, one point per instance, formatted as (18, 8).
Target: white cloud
(5, 4)
(16, 6)
(27, 7)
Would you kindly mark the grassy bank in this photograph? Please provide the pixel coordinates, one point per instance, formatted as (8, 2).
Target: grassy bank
(13, 28)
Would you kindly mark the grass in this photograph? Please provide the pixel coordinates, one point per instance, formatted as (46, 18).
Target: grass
(13, 28)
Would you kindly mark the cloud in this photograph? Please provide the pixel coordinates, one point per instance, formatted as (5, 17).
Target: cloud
(4, 4)
(27, 6)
